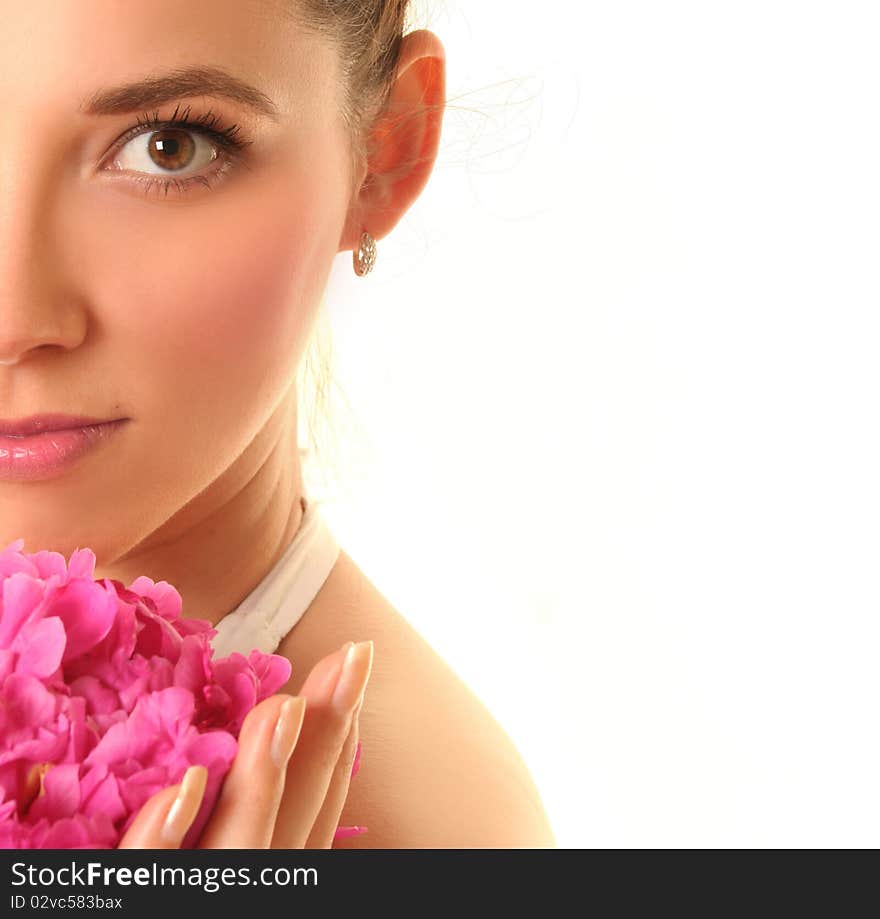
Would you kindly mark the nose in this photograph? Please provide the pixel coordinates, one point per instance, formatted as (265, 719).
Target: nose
(37, 306)
(27, 328)
(40, 289)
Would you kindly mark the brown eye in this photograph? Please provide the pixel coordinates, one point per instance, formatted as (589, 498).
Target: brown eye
(162, 155)
(172, 152)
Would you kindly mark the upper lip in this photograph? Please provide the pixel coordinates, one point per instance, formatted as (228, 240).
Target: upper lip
(36, 424)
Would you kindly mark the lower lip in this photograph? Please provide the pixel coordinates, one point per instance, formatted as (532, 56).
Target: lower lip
(43, 456)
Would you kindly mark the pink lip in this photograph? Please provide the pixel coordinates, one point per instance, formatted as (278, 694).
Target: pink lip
(55, 446)
(36, 424)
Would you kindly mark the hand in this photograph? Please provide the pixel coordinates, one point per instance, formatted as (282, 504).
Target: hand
(290, 777)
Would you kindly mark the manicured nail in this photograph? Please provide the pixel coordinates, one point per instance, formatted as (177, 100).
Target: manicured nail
(357, 760)
(287, 728)
(356, 668)
(186, 805)
(324, 690)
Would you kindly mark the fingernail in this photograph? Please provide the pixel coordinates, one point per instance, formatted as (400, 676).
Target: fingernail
(353, 679)
(287, 728)
(186, 805)
(324, 690)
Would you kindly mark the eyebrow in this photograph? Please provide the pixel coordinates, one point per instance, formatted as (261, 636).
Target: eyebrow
(174, 84)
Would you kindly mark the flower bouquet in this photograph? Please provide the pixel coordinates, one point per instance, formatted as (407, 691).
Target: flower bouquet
(108, 695)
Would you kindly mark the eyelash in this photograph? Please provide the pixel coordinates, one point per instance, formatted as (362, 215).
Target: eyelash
(232, 146)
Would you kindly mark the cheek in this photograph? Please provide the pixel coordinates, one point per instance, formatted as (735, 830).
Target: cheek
(227, 316)
(241, 302)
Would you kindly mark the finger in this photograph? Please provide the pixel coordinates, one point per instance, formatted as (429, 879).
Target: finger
(321, 836)
(244, 816)
(327, 724)
(162, 822)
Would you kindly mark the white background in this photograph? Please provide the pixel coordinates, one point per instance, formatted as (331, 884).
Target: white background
(612, 441)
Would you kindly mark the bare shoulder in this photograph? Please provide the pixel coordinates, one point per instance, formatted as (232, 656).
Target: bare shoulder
(437, 770)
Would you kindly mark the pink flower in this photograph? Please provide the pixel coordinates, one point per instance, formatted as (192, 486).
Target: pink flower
(108, 695)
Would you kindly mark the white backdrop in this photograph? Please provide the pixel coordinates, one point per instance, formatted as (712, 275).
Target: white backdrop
(614, 387)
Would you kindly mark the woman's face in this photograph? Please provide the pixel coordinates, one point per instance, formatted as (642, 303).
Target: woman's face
(182, 305)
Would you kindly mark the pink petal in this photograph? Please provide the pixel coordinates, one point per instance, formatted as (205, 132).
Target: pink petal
(193, 668)
(343, 832)
(21, 600)
(166, 598)
(210, 749)
(82, 564)
(77, 832)
(13, 560)
(87, 611)
(272, 672)
(61, 795)
(100, 792)
(99, 698)
(40, 645)
(48, 744)
(50, 564)
(156, 635)
(8, 659)
(28, 702)
(157, 720)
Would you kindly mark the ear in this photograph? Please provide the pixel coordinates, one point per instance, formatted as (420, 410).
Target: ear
(403, 141)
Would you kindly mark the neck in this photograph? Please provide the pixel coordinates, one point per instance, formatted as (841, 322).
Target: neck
(218, 547)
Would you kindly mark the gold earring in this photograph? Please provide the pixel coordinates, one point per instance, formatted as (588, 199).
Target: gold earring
(364, 257)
